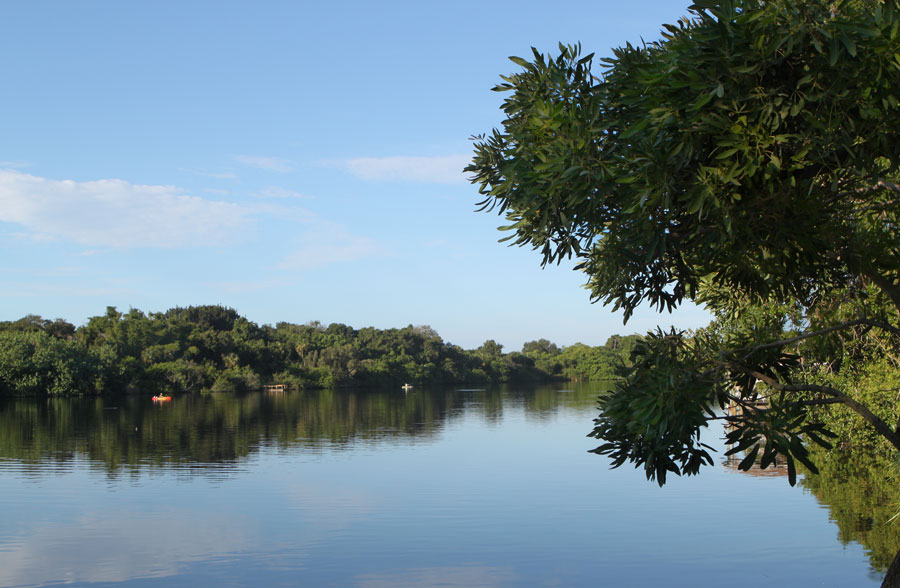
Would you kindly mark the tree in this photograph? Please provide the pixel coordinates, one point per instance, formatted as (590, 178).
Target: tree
(540, 346)
(59, 328)
(490, 349)
(747, 161)
(33, 362)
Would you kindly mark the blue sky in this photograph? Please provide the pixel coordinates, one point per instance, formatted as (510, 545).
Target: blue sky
(296, 161)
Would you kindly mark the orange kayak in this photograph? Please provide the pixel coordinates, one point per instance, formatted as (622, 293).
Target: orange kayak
(162, 398)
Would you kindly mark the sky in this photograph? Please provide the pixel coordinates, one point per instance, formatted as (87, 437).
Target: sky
(296, 161)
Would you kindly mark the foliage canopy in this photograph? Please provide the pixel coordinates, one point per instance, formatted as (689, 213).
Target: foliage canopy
(213, 348)
(747, 161)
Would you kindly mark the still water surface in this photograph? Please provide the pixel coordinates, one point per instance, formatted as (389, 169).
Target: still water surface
(378, 489)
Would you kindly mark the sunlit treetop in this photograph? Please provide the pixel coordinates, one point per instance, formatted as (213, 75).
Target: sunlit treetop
(753, 148)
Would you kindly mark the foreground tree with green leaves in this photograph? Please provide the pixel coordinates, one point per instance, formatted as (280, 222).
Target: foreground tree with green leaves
(747, 161)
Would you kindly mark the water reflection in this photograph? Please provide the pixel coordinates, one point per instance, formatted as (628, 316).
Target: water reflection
(778, 469)
(862, 494)
(381, 488)
(447, 577)
(124, 545)
(860, 491)
(131, 433)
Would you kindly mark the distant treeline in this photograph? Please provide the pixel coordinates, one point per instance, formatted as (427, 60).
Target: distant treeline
(213, 349)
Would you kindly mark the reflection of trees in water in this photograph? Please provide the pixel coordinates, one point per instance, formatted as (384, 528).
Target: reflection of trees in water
(862, 493)
(546, 402)
(201, 430)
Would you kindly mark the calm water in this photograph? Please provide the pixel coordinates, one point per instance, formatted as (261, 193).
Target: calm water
(433, 488)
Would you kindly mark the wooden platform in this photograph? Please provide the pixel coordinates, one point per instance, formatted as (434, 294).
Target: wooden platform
(735, 409)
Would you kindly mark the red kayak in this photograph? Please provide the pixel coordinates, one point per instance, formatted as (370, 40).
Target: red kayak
(162, 398)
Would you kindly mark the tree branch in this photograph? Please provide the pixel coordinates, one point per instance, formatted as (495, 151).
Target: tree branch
(861, 409)
(892, 436)
(881, 184)
(820, 401)
(847, 324)
(803, 336)
(889, 287)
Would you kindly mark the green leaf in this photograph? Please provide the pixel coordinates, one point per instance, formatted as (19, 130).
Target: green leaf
(850, 44)
(746, 69)
(519, 61)
(702, 101)
(749, 460)
(804, 459)
(635, 128)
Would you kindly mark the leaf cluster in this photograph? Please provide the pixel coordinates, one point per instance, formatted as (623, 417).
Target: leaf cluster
(748, 160)
(780, 430)
(654, 416)
(747, 148)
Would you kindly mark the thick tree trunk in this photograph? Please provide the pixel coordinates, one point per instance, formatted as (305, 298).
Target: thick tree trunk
(892, 578)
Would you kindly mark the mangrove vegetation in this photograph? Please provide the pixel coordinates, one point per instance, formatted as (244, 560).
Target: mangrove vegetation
(214, 349)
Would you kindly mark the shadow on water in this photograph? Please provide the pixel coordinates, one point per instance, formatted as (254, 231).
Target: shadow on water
(132, 432)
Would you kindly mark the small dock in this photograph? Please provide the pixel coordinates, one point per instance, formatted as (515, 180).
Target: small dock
(275, 388)
(734, 409)
(776, 470)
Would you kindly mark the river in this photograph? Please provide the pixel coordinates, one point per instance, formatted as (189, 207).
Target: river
(383, 489)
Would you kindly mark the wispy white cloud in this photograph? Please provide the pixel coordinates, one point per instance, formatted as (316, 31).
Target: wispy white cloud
(327, 245)
(278, 192)
(61, 271)
(282, 212)
(245, 286)
(276, 164)
(18, 164)
(445, 169)
(38, 286)
(29, 237)
(116, 213)
(222, 175)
